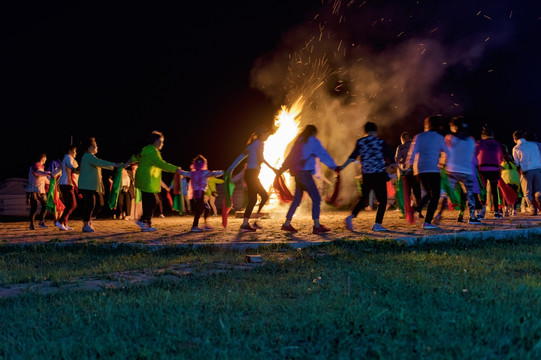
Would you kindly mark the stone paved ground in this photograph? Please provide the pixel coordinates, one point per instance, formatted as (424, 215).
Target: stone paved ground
(174, 230)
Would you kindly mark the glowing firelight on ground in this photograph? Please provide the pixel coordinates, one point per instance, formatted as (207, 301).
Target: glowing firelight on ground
(287, 123)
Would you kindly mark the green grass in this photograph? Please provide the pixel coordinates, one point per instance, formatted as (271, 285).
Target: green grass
(351, 299)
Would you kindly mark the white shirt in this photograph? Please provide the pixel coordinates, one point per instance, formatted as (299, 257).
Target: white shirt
(526, 155)
(460, 155)
(425, 152)
(69, 164)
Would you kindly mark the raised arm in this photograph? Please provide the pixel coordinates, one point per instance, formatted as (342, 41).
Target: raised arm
(239, 158)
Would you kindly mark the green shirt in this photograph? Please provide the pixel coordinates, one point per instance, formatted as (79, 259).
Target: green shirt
(90, 172)
(149, 173)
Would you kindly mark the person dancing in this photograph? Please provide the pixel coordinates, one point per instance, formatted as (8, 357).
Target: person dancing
(301, 163)
(254, 154)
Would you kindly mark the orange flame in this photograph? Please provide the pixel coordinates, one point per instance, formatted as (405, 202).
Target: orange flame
(287, 122)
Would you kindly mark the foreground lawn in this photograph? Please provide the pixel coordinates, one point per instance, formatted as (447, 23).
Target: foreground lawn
(352, 299)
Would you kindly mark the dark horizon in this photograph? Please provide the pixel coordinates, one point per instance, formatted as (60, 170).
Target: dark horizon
(118, 72)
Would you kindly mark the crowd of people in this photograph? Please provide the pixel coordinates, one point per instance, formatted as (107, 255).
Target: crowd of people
(441, 167)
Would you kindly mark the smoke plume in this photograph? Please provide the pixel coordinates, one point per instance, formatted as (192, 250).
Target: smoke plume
(389, 62)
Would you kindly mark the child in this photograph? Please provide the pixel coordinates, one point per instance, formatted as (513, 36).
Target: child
(211, 194)
(198, 184)
(511, 177)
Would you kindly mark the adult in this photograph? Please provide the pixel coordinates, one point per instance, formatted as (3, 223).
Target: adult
(90, 181)
(149, 176)
(301, 163)
(253, 152)
(400, 158)
(35, 190)
(374, 156)
(460, 161)
(425, 152)
(489, 158)
(67, 186)
(527, 157)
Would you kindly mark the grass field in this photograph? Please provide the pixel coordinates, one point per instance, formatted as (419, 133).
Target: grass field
(348, 299)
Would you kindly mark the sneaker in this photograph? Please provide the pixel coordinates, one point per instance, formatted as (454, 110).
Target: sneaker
(481, 214)
(436, 221)
(60, 226)
(32, 227)
(320, 229)
(196, 229)
(68, 227)
(162, 215)
(378, 227)
(460, 219)
(498, 215)
(141, 224)
(474, 221)
(257, 226)
(87, 229)
(349, 223)
(41, 224)
(428, 226)
(247, 228)
(127, 218)
(208, 228)
(289, 228)
(149, 228)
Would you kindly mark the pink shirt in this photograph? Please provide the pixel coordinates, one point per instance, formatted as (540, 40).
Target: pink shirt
(489, 154)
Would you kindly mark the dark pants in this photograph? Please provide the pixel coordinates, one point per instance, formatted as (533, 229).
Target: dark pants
(305, 182)
(492, 177)
(378, 183)
(124, 203)
(201, 208)
(92, 203)
(70, 202)
(254, 188)
(432, 184)
(34, 198)
(149, 203)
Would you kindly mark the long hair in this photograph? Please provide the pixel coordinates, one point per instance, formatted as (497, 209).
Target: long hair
(309, 130)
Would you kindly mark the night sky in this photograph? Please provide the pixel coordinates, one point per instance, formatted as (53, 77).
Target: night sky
(195, 71)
